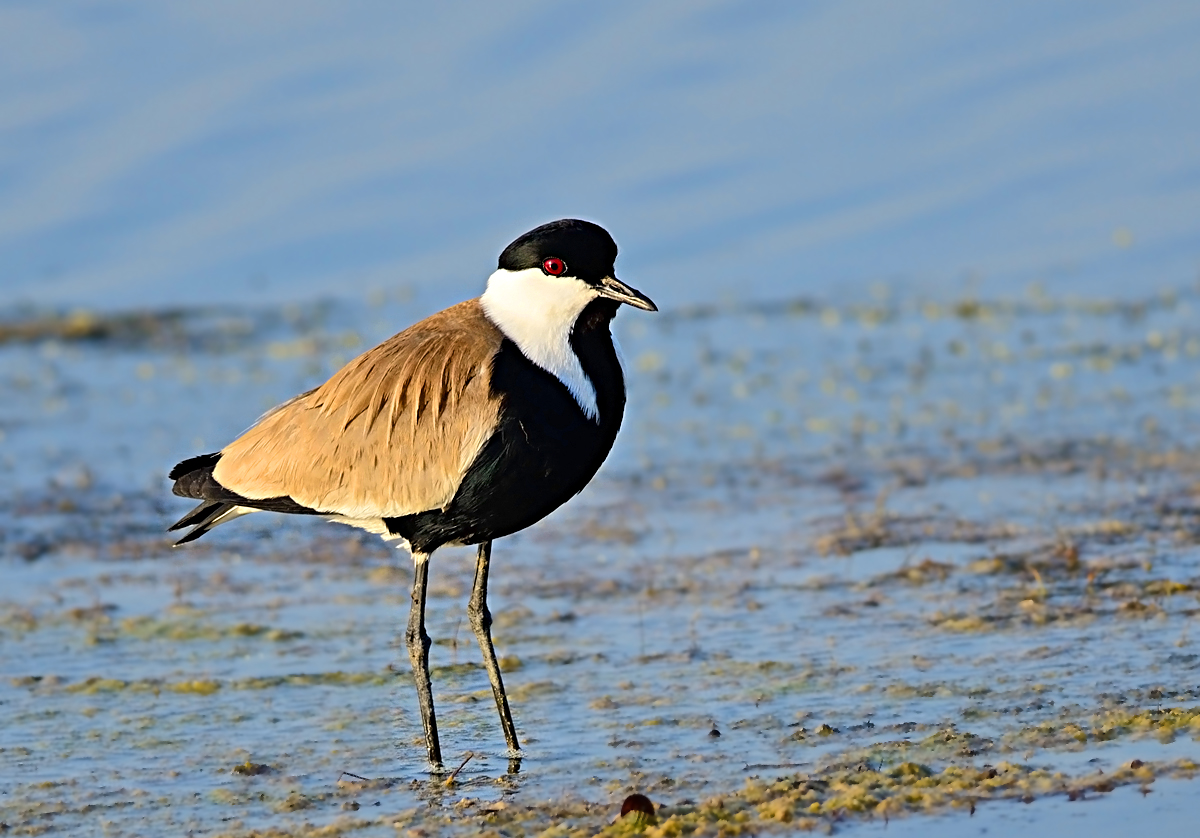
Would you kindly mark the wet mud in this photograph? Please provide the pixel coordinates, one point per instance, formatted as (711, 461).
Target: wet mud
(849, 564)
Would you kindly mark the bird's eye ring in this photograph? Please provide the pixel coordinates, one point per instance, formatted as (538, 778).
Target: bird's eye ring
(554, 266)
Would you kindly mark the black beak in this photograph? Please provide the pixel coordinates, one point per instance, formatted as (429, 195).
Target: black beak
(615, 289)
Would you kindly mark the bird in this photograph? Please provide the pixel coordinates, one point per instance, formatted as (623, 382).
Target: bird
(466, 427)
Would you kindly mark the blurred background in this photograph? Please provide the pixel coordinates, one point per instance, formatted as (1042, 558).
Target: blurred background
(179, 153)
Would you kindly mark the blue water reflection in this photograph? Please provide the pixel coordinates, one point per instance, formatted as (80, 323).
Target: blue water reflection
(178, 153)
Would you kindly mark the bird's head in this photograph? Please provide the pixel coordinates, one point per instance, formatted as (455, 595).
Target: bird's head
(554, 271)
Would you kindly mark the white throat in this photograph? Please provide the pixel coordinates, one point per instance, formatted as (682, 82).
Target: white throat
(537, 313)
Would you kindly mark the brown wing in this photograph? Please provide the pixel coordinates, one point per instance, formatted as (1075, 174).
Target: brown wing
(390, 434)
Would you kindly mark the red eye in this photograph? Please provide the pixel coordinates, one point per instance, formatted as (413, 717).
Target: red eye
(554, 266)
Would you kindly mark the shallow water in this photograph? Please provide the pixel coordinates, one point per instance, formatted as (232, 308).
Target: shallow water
(941, 531)
(186, 153)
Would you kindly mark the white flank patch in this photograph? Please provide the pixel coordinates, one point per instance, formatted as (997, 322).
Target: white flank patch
(379, 527)
(374, 525)
(230, 514)
(536, 312)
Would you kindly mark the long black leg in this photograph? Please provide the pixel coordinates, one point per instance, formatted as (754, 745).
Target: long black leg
(481, 622)
(418, 653)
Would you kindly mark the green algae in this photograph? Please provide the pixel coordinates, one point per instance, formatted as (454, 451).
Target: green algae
(195, 686)
(233, 797)
(207, 686)
(150, 628)
(339, 827)
(101, 627)
(784, 805)
(251, 769)
(945, 775)
(819, 800)
(97, 684)
(295, 801)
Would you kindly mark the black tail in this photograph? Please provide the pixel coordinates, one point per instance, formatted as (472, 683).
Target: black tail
(194, 479)
(192, 474)
(203, 518)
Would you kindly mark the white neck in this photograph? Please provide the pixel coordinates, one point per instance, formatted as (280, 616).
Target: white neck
(537, 313)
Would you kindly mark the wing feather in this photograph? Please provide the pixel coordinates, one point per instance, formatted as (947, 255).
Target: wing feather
(391, 434)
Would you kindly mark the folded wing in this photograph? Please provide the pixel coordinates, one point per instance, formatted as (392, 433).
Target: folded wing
(391, 434)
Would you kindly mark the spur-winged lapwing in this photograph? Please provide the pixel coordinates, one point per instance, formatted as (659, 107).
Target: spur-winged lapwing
(469, 426)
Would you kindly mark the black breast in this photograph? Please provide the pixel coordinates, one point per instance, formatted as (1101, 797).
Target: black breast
(544, 450)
